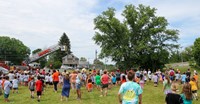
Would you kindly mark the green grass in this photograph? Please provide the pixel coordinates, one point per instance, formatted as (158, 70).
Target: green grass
(151, 95)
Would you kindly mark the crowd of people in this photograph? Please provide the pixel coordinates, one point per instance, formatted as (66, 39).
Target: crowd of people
(131, 82)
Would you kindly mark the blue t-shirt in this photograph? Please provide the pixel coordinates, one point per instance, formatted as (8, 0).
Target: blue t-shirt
(113, 79)
(185, 101)
(183, 77)
(130, 92)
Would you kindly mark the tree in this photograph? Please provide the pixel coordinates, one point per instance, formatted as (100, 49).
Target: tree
(140, 39)
(83, 59)
(42, 60)
(13, 50)
(197, 51)
(57, 56)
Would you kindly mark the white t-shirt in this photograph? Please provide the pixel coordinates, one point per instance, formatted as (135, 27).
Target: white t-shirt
(47, 79)
(26, 78)
(15, 83)
(11, 76)
(0, 83)
(7, 86)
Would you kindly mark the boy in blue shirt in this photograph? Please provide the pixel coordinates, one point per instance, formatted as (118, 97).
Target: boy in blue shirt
(130, 92)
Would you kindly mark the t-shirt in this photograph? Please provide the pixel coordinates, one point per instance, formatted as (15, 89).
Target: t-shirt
(193, 85)
(38, 85)
(130, 92)
(114, 80)
(25, 78)
(79, 78)
(98, 79)
(173, 98)
(7, 86)
(105, 79)
(73, 77)
(55, 76)
(183, 77)
(185, 101)
(155, 78)
(117, 74)
(11, 76)
(15, 83)
(196, 77)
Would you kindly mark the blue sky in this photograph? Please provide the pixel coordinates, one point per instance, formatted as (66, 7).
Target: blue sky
(40, 23)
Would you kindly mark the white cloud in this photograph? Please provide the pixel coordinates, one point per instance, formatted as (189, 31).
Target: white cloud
(40, 23)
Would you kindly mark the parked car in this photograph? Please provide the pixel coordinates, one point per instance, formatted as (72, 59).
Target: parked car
(4, 70)
(65, 67)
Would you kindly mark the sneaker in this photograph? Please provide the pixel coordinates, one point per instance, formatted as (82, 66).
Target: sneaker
(38, 100)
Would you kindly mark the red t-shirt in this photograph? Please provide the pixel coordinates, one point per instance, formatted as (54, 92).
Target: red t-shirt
(38, 85)
(105, 79)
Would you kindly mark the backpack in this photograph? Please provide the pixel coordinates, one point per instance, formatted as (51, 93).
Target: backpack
(31, 85)
(171, 73)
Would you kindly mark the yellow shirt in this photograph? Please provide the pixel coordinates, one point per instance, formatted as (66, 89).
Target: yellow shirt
(194, 85)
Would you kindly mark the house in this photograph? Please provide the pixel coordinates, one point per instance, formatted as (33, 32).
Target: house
(70, 60)
(83, 64)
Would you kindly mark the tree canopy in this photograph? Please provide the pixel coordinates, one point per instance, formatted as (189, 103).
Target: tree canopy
(13, 50)
(141, 39)
(197, 51)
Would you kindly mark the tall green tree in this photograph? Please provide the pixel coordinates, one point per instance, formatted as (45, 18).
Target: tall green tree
(142, 38)
(13, 50)
(56, 57)
(197, 51)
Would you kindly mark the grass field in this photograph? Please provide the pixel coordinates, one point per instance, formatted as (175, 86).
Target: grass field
(151, 95)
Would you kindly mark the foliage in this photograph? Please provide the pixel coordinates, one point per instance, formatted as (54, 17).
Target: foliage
(83, 59)
(197, 51)
(43, 60)
(141, 39)
(13, 50)
(175, 57)
(55, 64)
(36, 51)
(57, 56)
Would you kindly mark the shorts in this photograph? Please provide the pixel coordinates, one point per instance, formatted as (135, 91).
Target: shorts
(50, 83)
(155, 82)
(195, 91)
(6, 95)
(39, 93)
(47, 83)
(32, 89)
(104, 86)
(78, 86)
(113, 83)
(15, 88)
(118, 78)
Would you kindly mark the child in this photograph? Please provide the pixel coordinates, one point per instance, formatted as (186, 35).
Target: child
(60, 80)
(173, 97)
(31, 86)
(166, 85)
(66, 87)
(183, 78)
(187, 94)
(114, 80)
(89, 85)
(7, 86)
(15, 84)
(155, 80)
(141, 82)
(98, 81)
(38, 85)
(0, 85)
(123, 79)
(194, 88)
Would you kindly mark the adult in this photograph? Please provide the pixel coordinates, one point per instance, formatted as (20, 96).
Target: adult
(66, 87)
(173, 97)
(79, 78)
(55, 77)
(130, 92)
(105, 81)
